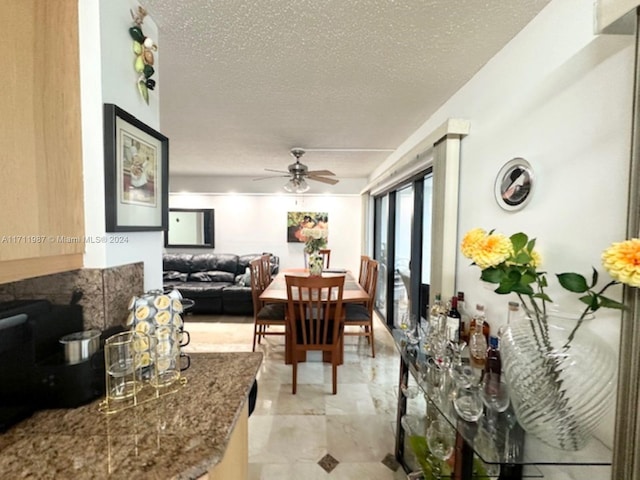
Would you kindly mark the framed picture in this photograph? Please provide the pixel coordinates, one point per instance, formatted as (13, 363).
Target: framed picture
(514, 184)
(297, 221)
(136, 161)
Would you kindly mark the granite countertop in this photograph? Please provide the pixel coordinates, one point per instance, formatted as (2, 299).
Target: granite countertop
(177, 436)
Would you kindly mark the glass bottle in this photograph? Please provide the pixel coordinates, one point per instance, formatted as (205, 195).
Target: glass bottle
(453, 321)
(436, 316)
(493, 367)
(478, 352)
(465, 319)
(513, 313)
(479, 322)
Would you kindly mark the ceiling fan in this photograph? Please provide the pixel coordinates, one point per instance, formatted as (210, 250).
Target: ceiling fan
(299, 173)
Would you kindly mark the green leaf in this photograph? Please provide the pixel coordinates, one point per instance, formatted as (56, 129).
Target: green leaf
(594, 278)
(528, 277)
(531, 245)
(492, 275)
(591, 300)
(519, 240)
(573, 282)
(523, 258)
(523, 289)
(542, 296)
(609, 303)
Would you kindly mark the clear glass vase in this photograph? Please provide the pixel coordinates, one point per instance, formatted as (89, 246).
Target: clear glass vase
(560, 389)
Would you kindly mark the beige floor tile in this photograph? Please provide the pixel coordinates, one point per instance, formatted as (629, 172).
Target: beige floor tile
(351, 399)
(370, 471)
(359, 438)
(287, 438)
(287, 471)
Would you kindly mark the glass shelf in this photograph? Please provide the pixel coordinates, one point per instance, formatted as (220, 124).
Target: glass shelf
(496, 438)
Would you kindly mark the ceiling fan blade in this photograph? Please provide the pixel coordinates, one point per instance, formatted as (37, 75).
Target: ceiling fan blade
(277, 171)
(330, 181)
(321, 172)
(270, 176)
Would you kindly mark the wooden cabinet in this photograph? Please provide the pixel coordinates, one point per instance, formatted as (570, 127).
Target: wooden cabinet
(235, 463)
(41, 192)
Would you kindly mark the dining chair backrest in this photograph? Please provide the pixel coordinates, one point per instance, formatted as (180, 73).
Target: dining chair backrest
(371, 283)
(265, 270)
(364, 263)
(326, 257)
(255, 270)
(314, 311)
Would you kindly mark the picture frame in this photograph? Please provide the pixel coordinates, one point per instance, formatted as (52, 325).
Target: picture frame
(514, 184)
(136, 161)
(297, 221)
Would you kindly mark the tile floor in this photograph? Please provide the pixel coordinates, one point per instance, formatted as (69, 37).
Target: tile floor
(314, 434)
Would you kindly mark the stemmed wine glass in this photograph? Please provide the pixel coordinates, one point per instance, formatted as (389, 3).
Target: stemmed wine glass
(441, 440)
(494, 392)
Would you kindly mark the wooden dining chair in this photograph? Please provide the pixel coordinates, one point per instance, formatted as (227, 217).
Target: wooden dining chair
(264, 315)
(326, 257)
(315, 319)
(362, 315)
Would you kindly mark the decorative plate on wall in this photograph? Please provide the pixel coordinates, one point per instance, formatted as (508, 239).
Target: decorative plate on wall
(514, 184)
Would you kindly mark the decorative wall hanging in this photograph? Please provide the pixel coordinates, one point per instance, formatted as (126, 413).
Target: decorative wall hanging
(136, 159)
(143, 48)
(514, 184)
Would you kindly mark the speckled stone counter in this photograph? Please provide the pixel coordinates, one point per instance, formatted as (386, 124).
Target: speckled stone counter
(178, 436)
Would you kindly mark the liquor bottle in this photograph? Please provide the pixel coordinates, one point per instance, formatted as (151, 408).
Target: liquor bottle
(465, 319)
(479, 322)
(453, 321)
(478, 351)
(493, 367)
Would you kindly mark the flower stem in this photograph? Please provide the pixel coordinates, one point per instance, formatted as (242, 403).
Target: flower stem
(586, 312)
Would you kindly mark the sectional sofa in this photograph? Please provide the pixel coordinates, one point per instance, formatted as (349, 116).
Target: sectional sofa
(218, 283)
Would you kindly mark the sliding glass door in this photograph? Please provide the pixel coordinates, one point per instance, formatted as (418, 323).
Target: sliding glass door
(402, 245)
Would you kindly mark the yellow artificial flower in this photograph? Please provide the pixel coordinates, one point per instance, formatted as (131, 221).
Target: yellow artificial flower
(536, 259)
(622, 261)
(492, 251)
(471, 240)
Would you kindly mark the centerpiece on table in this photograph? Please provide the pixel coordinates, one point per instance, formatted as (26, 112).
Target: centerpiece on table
(561, 376)
(316, 238)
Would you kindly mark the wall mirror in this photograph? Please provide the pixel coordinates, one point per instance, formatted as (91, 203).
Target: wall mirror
(190, 228)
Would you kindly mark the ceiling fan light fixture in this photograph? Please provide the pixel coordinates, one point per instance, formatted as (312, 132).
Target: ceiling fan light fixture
(296, 185)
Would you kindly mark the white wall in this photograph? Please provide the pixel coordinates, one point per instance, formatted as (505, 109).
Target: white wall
(258, 223)
(107, 76)
(560, 97)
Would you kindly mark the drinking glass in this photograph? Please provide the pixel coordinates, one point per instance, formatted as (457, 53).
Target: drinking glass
(441, 441)
(468, 403)
(122, 365)
(495, 393)
(434, 376)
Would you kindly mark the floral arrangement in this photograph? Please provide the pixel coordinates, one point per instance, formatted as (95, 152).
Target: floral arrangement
(512, 264)
(316, 238)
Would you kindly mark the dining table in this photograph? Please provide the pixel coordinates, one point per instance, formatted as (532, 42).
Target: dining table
(276, 292)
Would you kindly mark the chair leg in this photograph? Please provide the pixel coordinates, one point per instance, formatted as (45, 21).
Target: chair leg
(294, 380)
(373, 344)
(334, 375)
(255, 333)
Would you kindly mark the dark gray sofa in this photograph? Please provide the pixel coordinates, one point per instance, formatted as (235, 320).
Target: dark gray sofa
(218, 283)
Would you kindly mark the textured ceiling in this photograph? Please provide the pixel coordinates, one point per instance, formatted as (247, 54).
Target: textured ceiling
(242, 82)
